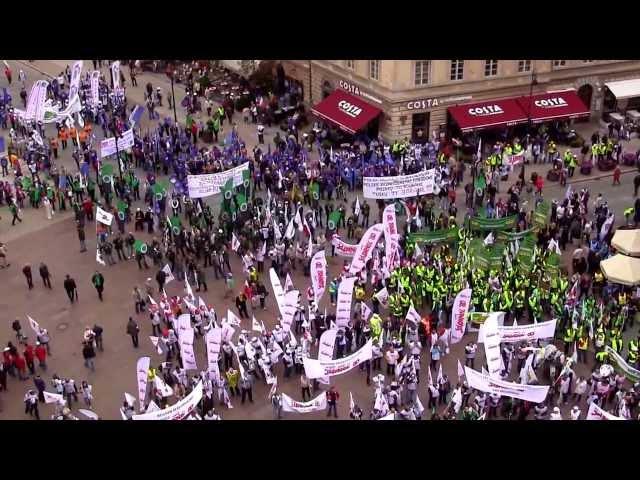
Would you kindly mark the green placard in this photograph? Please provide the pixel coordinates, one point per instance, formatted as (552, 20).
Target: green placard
(334, 219)
(485, 224)
(542, 214)
(435, 236)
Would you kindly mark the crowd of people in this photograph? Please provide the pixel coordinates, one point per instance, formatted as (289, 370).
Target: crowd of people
(298, 199)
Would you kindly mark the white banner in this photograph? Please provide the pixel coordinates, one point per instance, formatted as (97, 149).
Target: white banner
(74, 84)
(390, 233)
(326, 347)
(597, 413)
(209, 184)
(95, 87)
(383, 297)
(484, 383)
(345, 297)
(459, 315)
(35, 326)
(227, 332)
(413, 316)
(492, 345)
(329, 368)
(319, 275)
(115, 74)
(182, 324)
(103, 216)
(289, 309)
(169, 274)
(629, 371)
(317, 404)
(343, 249)
(400, 186)
(52, 397)
(365, 248)
(521, 333)
(214, 342)
(186, 350)
(278, 292)
(142, 371)
(178, 411)
(32, 100)
(108, 145)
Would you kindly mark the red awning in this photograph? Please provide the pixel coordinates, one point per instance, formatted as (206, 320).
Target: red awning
(492, 113)
(350, 113)
(551, 106)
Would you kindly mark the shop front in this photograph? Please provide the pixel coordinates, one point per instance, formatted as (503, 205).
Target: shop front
(349, 113)
(622, 100)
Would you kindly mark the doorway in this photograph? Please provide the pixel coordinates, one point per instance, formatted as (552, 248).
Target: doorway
(585, 92)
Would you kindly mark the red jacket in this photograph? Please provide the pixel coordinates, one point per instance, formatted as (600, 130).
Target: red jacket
(332, 396)
(41, 353)
(20, 363)
(28, 353)
(8, 359)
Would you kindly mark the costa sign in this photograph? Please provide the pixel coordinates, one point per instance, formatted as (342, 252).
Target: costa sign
(485, 111)
(355, 90)
(351, 110)
(552, 102)
(423, 104)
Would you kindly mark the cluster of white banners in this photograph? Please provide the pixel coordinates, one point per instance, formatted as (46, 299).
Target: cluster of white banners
(597, 413)
(319, 275)
(329, 368)
(459, 315)
(390, 234)
(521, 333)
(142, 371)
(186, 349)
(345, 296)
(178, 411)
(495, 364)
(317, 404)
(103, 216)
(400, 186)
(108, 145)
(278, 292)
(343, 249)
(289, 309)
(484, 383)
(209, 184)
(95, 88)
(365, 248)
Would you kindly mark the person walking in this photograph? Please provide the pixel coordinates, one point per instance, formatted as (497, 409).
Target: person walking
(81, 237)
(98, 281)
(97, 330)
(305, 387)
(133, 329)
(71, 288)
(70, 390)
(87, 393)
(88, 353)
(26, 270)
(31, 404)
(29, 357)
(241, 305)
(40, 386)
(246, 387)
(46, 276)
(332, 401)
(41, 355)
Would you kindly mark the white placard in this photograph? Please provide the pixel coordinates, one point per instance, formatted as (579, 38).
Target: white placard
(531, 393)
(345, 297)
(365, 248)
(209, 184)
(317, 404)
(401, 186)
(178, 411)
(108, 145)
(329, 368)
(521, 333)
(343, 249)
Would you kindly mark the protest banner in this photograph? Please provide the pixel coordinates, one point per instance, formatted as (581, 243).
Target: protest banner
(108, 145)
(365, 248)
(343, 249)
(318, 275)
(622, 366)
(317, 404)
(522, 333)
(208, 184)
(400, 186)
(329, 368)
(142, 370)
(597, 413)
(178, 411)
(459, 314)
(345, 297)
(484, 383)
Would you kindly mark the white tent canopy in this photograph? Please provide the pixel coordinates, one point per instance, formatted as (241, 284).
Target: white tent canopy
(625, 88)
(621, 269)
(627, 242)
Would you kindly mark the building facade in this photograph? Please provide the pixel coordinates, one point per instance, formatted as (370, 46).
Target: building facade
(415, 95)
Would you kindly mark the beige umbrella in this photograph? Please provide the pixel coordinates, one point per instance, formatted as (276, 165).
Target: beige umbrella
(621, 269)
(627, 242)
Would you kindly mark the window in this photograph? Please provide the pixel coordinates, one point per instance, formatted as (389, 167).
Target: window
(350, 64)
(374, 69)
(524, 66)
(490, 68)
(559, 63)
(457, 69)
(422, 70)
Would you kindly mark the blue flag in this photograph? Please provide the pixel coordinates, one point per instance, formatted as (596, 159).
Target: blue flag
(2, 147)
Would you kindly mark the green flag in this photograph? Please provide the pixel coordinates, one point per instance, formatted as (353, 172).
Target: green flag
(480, 181)
(227, 190)
(140, 246)
(246, 178)
(241, 200)
(334, 218)
(314, 190)
(106, 173)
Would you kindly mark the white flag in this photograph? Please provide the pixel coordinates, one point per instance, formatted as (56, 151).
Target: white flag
(366, 311)
(156, 343)
(235, 243)
(417, 252)
(89, 414)
(310, 249)
(318, 275)
(35, 326)
(130, 399)
(188, 289)
(233, 319)
(52, 397)
(352, 404)
(103, 216)
(276, 230)
(440, 377)
(255, 326)
(460, 370)
(169, 275)
(291, 230)
(357, 207)
(142, 370)
(413, 316)
(430, 377)
(99, 256)
(288, 283)
(298, 219)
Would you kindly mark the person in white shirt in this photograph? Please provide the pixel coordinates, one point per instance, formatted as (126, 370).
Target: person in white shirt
(555, 415)
(575, 413)
(392, 358)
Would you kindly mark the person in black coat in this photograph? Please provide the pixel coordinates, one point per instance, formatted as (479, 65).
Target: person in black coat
(46, 276)
(71, 288)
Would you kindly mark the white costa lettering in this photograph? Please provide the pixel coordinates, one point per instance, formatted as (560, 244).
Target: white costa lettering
(486, 110)
(552, 102)
(349, 109)
(423, 104)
